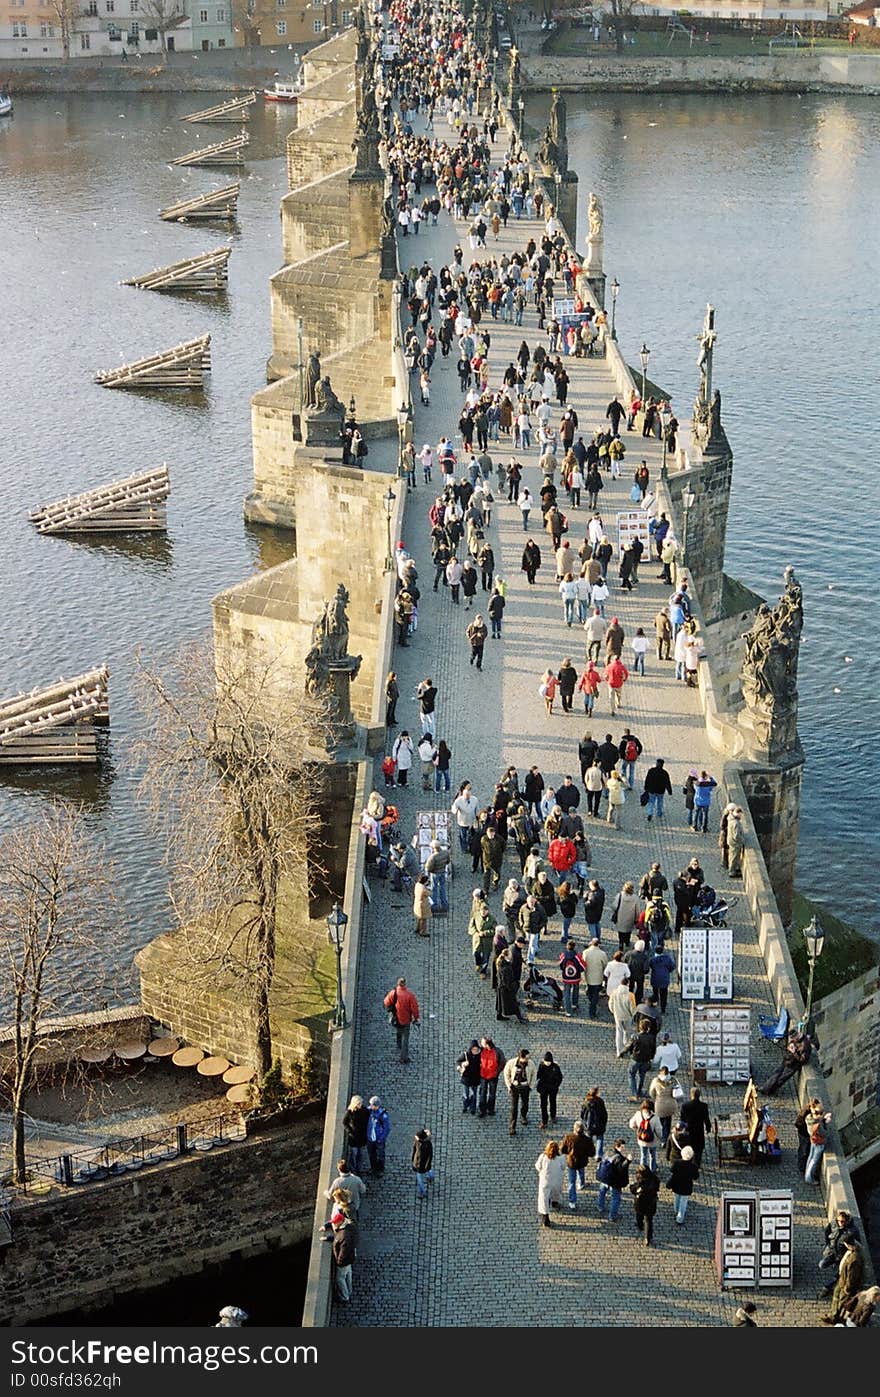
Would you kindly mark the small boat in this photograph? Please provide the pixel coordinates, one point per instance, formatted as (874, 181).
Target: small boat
(282, 90)
(5, 104)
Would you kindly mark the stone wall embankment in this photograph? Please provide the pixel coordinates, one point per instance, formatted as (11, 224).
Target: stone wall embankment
(787, 71)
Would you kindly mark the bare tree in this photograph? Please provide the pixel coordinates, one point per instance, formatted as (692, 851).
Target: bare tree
(620, 17)
(66, 12)
(53, 893)
(163, 16)
(225, 774)
(246, 16)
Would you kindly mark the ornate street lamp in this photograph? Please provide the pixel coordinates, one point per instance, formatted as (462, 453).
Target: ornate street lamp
(337, 921)
(687, 498)
(521, 106)
(615, 292)
(389, 501)
(644, 355)
(814, 940)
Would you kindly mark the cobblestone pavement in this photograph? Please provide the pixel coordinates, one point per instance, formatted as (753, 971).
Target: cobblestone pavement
(474, 1249)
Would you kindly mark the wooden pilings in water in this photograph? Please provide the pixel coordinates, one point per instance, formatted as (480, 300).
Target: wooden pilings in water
(236, 109)
(182, 367)
(136, 504)
(209, 272)
(220, 153)
(218, 204)
(55, 723)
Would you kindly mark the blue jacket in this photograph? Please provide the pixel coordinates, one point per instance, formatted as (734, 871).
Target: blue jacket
(378, 1126)
(662, 966)
(703, 793)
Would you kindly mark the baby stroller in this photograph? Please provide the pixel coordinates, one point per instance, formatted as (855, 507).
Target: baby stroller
(709, 909)
(388, 825)
(542, 989)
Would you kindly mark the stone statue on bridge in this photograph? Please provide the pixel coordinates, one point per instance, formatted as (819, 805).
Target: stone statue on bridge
(704, 358)
(770, 665)
(326, 402)
(330, 671)
(313, 376)
(553, 153)
(595, 237)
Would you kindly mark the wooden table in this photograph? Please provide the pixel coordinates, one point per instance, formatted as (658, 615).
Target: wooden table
(237, 1076)
(130, 1052)
(238, 1095)
(163, 1047)
(187, 1057)
(95, 1055)
(213, 1066)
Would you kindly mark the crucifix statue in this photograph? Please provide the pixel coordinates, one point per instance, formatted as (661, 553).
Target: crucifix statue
(704, 358)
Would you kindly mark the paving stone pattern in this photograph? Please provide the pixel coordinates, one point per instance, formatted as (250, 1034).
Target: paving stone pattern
(474, 1250)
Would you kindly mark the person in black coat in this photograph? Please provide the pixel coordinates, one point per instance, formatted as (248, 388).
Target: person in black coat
(506, 1002)
(607, 754)
(637, 960)
(587, 749)
(469, 1070)
(645, 1190)
(531, 561)
(533, 789)
(682, 1177)
(694, 1115)
(423, 1160)
(548, 1081)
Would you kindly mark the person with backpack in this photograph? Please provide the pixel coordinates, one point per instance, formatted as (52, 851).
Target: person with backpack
(657, 921)
(403, 1012)
(641, 1051)
(630, 749)
(647, 1131)
(469, 1065)
(578, 1149)
(594, 1114)
(571, 968)
(519, 1078)
(817, 1122)
(662, 966)
(661, 1092)
(612, 1175)
(645, 1191)
(548, 1080)
(492, 1061)
(378, 1130)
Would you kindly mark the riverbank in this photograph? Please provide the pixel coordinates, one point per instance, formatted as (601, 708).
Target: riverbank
(793, 70)
(233, 70)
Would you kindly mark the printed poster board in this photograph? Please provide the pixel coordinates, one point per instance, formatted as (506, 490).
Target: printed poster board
(775, 1234)
(720, 962)
(431, 824)
(736, 1240)
(720, 1035)
(692, 962)
(633, 523)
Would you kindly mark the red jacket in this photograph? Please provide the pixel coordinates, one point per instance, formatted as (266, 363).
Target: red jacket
(616, 673)
(562, 854)
(589, 682)
(406, 1005)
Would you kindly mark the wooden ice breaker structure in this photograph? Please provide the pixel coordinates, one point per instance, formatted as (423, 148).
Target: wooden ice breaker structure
(220, 153)
(182, 367)
(236, 109)
(209, 273)
(136, 504)
(216, 205)
(57, 723)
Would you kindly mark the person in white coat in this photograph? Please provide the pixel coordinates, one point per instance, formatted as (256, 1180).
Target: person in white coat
(622, 1004)
(551, 1169)
(402, 752)
(616, 973)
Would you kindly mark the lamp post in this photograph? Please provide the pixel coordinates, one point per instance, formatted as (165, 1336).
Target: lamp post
(644, 355)
(664, 423)
(402, 419)
(615, 292)
(521, 106)
(494, 65)
(299, 336)
(388, 501)
(814, 940)
(687, 498)
(337, 921)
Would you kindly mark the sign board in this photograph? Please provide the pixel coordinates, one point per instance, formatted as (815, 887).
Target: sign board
(775, 1238)
(633, 523)
(692, 962)
(563, 305)
(736, 1240)
(720, 962)
(431, 824)
(720, 1042)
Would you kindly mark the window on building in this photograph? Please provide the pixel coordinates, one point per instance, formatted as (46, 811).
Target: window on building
(85, 41)
(114, 34)
(44, 31)
(203, 16)
(281, 4)
(134, 31)
(221, 43)
(346, 16)
(110, 6)
(133, 6)
(318, 26)
(92, 8)
(221, 16)
(281, 28)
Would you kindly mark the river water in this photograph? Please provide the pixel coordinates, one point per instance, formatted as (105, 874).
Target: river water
(767, 206)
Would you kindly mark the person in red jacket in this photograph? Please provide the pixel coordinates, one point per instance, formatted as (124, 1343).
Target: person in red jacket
(616, 675)
(561, 855)
(588, 685)
(402, 1004)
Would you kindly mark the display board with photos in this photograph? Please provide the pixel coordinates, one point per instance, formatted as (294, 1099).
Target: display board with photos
(775, 1235)
(736, 1240)
(720, 1036)
(431, 824)
(633, 523)
(692, 962)
(719, 962)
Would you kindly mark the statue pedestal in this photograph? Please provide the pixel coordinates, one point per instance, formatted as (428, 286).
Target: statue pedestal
(322, 428)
